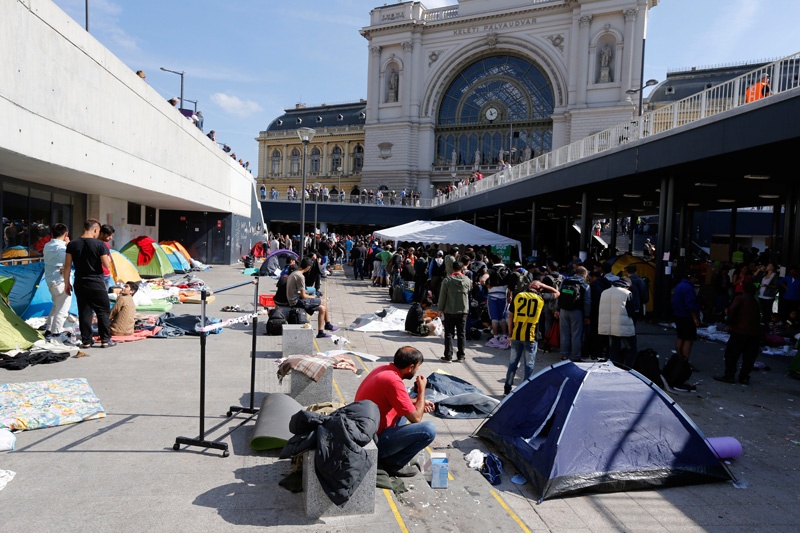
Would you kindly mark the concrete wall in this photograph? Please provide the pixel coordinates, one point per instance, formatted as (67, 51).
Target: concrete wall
(74, 116)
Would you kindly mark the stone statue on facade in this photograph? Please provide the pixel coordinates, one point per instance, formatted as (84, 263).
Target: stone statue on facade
(393, 81)
(477, 158)
(605, 64)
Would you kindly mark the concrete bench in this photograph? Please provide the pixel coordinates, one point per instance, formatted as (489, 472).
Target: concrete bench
(307, 391)
(298, 339)
(317, 503)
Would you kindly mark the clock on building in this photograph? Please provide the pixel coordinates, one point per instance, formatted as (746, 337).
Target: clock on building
(491, 113)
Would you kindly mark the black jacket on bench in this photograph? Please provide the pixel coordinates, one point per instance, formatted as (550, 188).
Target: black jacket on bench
(341, 461)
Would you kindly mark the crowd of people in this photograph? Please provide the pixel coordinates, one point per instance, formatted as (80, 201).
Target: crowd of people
(321, 193)
(198, 119)
(588, 310)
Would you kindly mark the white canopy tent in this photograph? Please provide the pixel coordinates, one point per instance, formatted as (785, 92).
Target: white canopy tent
(452, 232)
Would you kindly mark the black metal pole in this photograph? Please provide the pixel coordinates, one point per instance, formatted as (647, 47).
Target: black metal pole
(641, 79)
(200, 440)
(303, 205)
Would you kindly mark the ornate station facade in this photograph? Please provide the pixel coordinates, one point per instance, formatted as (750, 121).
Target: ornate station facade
(463, 87)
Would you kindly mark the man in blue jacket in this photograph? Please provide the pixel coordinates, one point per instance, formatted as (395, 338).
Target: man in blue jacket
(686, 310)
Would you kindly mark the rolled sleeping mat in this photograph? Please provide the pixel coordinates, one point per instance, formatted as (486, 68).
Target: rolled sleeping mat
(725, 447)
(272, 427)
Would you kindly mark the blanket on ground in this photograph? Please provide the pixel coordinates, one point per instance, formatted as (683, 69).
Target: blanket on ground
(42, 404)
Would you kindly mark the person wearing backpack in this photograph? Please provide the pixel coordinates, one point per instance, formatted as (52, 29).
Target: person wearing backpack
(574, 308)
(639, 292)
(551, 278)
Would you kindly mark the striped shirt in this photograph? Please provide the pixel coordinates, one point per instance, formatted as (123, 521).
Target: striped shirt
(526, 309)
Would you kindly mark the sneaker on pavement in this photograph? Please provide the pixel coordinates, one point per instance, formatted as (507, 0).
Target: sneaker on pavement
(323, 335)
(446, 359)
(331, 327)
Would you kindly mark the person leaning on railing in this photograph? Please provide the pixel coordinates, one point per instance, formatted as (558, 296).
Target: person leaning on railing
(758, 90)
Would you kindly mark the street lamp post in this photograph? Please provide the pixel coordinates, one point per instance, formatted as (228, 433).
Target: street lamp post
(640, 90)
(317, 188)
(179, 74)
(339, 188)
(195, 104)
(305, 134)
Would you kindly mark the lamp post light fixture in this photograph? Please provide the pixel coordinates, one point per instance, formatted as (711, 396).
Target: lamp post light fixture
(179, 74)
(305, 135)
(648, 83)
(195, 104)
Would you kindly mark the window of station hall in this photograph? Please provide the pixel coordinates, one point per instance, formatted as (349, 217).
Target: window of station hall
(275, 163)
(498, 106)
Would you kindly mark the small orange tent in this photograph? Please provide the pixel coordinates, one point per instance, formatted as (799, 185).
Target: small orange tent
(178, 246)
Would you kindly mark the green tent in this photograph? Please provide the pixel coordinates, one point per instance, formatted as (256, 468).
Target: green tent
(158, 267)
(15, 333)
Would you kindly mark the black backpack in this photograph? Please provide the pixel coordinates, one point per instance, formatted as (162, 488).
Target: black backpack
(677, 370)
(571, 297)
(275, 322)
(501, 274)
(520, 282)
(648, 365)
(298, 315)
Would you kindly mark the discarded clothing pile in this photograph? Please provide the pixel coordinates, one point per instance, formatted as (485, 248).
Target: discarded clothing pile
(42, 352)
(177, 325)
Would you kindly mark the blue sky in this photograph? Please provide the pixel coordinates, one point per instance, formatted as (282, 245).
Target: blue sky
(247, 60)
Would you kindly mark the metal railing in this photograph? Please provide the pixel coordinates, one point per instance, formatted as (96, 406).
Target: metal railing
(441, 13)
(449, 12)
(784, 76)
(354, 200)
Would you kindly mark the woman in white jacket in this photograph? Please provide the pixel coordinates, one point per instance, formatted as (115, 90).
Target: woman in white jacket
(616, 321)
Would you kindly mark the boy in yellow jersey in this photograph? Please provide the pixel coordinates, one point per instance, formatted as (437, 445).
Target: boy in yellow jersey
(523, 315)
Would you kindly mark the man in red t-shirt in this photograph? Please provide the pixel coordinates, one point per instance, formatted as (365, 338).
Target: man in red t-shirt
(402, 433)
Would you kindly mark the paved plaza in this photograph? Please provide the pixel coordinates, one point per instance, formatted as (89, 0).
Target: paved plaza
(121, 474)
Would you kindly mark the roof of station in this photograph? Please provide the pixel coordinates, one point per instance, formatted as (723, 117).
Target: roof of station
(321, 116)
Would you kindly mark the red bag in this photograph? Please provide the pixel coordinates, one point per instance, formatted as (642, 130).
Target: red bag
(552, 339)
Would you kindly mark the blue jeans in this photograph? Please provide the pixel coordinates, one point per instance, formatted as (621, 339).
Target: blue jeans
(398, 444)
(520, 349)
(571, 323)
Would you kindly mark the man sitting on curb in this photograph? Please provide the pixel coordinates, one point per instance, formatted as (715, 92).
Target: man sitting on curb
(298, 297)
(416, 321)
(402, 434)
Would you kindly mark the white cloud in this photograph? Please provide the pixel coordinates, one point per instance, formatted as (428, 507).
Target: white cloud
(235, 105)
